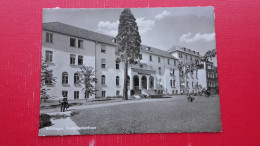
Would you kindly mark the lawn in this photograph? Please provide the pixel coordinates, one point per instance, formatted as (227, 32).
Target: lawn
(165, 116)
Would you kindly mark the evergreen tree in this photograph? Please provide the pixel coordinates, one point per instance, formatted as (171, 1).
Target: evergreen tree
(129, 43)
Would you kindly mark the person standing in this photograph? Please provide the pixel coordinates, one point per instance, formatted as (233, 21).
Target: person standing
(62, 102)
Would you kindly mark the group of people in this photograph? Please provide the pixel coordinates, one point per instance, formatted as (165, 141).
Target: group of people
(63, 103)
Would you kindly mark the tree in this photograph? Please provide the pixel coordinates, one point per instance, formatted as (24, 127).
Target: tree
(47, 78)
(129, 43)
(87, 77)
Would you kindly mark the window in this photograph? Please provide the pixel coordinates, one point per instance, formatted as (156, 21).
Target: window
(117, 93)
(80, 43)
(117, 80)
(141, 66)
(76, 94)
(168, 61)
(72, 59)
(48, 56)
(103, 80)
(196, 74)
(174, 62)
(190, 57)
(148, 49)
(80, 60)
(173, 83)
(76, 78)
(187, 84)
(72, 42)
(64, 93)
(159, 60)
(171, 72)
(49, 37)
(103, 94)
(117, 65)
(103, 63)
(140, 56)
(151, 58)
(103, 48)
(160, 70)
(180, 55)
(192, 84)
(64, 78)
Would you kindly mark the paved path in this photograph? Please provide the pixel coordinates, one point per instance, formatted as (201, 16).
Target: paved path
(81, 107)
(63, 126)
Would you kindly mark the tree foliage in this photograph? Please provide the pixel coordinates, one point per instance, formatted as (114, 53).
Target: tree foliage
(47, 78)
(129, 43)
(87, 78)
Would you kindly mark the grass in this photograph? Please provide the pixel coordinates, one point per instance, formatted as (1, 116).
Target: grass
(166, 116)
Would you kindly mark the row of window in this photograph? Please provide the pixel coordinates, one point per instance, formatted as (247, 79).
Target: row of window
(187, 56)
(172, 83)
(212, 75)
(103, 80)
(73, 59)
(76, 94)
(159, 60)
(65, 79)
(73, 41)
(192, 84)
(212, 84)
(49, 58)
(181, 73)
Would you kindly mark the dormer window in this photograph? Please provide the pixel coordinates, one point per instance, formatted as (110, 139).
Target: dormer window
(148, 48)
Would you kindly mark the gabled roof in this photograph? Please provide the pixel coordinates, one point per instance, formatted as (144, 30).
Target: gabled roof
(94, 36)
(156, 51)
(77, 32)
(183, 49)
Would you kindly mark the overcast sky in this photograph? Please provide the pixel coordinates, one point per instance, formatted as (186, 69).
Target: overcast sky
(191, 27)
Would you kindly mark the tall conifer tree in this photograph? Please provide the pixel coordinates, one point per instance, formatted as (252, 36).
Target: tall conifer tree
(129, 43)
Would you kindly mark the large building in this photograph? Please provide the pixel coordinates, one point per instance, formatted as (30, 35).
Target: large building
(186, 56)
(67, 48)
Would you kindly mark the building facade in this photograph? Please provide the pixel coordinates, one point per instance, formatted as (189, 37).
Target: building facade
(186, 56)
(208, 77)
(66, 49)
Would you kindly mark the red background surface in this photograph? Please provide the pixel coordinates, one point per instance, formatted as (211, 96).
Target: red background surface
(238, 47)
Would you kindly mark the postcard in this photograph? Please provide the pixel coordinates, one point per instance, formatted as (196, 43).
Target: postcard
(129, 70)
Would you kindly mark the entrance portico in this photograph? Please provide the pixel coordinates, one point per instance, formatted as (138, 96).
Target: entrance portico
(141, 79)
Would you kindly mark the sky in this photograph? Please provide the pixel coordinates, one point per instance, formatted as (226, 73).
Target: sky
(162, 28)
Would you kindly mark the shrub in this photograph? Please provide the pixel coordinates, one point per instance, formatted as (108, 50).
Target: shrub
(44, 121)
(119, 96)
(74, 113)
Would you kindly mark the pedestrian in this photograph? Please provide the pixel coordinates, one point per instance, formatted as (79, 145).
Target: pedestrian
(62, 102)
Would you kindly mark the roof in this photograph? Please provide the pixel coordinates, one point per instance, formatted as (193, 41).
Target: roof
(91, 35)
(77, 32)
(156, 52)
(183, 49)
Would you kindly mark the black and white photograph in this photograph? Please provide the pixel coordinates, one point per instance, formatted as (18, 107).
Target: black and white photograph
(129, 70)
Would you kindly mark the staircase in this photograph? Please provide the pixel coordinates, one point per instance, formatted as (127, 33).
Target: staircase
(150, 93)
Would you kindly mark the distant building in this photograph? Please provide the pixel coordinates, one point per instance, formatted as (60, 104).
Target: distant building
(185, 55)
(208, 76)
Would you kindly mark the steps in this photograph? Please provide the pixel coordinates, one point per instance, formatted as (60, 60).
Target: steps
(151, 93)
